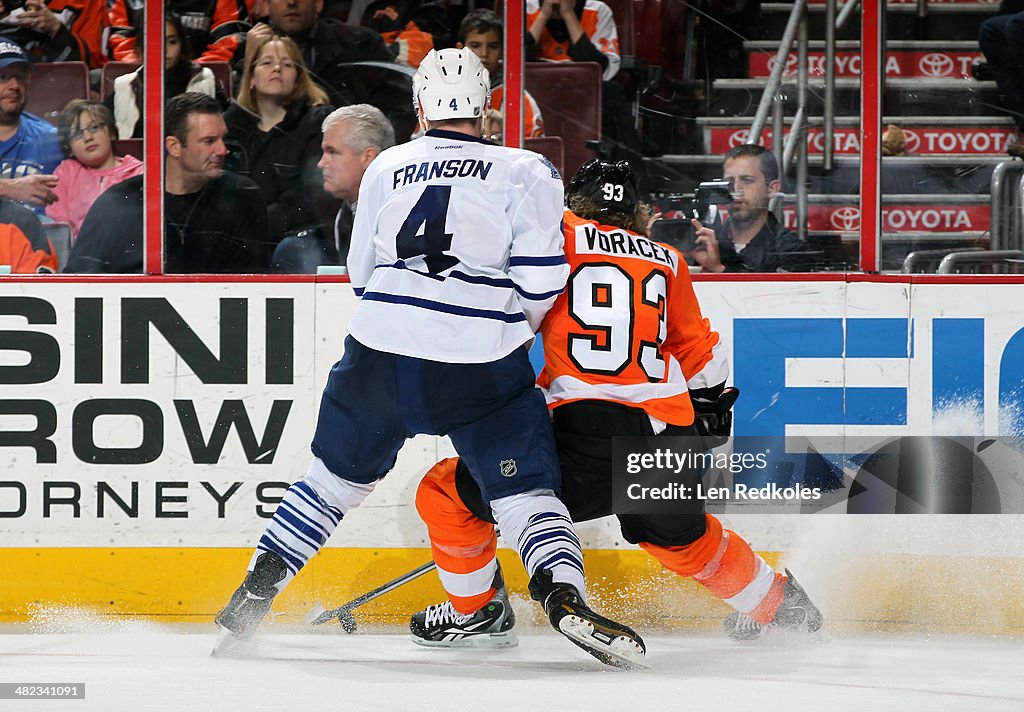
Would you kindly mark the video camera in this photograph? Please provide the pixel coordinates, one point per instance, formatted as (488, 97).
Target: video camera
(679, 232)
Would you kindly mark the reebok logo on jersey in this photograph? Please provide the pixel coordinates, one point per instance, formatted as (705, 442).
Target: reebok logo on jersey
(507, 468)
(591, 241)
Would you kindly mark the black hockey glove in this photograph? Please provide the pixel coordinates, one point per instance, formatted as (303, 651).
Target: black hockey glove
(713, 415)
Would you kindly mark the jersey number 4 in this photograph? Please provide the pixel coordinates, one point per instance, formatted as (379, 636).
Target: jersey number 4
(602, 299)
(424, 232)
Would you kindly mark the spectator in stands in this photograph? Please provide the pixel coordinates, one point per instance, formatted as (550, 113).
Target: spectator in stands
(329, 47)
(29, 151)
(23, 244)
(58, 30)
(274, 138)
(86, 132)
(181, 74)
(410, 28)
(585, 31)
(1002, 41)
(482, 31)
(353, 137)
(214, 221)
(199, 18)
(751, 240)
(568, 30)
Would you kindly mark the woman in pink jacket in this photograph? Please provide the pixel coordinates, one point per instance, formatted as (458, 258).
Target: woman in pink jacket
(86, 132)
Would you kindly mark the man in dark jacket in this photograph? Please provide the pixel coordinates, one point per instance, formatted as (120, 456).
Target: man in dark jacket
(214, 221)
(751, 240)
(330, 49)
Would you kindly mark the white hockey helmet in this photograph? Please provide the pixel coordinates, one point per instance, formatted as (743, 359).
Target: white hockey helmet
(451, 84)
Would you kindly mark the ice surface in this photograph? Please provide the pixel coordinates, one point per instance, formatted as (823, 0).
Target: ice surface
(135, 666)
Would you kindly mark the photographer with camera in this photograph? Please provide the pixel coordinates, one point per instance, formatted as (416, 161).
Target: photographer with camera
(751, 240)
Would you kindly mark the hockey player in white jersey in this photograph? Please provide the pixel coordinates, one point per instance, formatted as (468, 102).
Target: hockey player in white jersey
(457, 254)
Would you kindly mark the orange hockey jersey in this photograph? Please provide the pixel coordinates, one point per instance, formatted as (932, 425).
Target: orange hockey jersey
(533, 122)
(598, 24)
(628, 328)
(24, 255)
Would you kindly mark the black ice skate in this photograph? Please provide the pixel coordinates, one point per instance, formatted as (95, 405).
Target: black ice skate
(796, 612)
(251, 602)
(610, 642)
(441, 626)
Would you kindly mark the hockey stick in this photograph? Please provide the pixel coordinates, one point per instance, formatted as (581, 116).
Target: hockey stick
(319, 616)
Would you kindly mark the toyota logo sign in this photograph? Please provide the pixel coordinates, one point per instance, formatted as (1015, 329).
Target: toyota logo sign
(936, 65)
(913, 140)
(738, 138)
(846, 219)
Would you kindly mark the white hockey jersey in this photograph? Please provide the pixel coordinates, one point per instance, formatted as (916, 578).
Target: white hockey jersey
(457, 249)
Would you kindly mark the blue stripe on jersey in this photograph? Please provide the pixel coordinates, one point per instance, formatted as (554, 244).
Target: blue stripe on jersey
(442, 307)
(503, 282)
(553, 260)
(358, 291)
(539, 297)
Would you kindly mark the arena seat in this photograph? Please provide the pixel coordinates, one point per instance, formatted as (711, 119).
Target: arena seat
(552, 148)
(112, 70)
(54, 84)
(569, 96)
(128, 147)
(59, 235)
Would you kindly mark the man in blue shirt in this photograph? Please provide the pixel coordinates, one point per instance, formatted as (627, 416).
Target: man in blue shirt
(29, 151)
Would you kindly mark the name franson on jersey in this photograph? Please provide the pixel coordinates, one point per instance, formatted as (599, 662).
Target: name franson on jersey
(451, 168)
(591, 241)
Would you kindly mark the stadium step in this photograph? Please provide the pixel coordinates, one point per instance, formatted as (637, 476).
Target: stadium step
(926, 135)
(933, 60)
(903, 175)
(740, 97)
(943, 21)
(939, 218)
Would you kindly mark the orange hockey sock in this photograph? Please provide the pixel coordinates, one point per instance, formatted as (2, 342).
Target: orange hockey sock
(463, 545)
(723, 562)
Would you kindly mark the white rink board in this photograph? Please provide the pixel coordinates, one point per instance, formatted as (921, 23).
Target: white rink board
(318, 312)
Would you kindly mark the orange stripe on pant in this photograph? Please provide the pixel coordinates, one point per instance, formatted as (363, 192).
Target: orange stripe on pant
(462, 544)
(723, 562)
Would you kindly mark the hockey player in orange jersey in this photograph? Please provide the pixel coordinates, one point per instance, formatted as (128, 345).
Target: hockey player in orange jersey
(627, 353)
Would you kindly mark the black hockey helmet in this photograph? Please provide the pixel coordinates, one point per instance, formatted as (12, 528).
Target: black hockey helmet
(612, 186)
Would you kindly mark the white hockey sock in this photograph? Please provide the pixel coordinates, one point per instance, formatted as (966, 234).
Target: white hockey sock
(538, 525)
(308, 514)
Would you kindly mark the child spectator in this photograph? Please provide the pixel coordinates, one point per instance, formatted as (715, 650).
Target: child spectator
(86, 133)
(482, 31)
(181, 74)
(274, 138)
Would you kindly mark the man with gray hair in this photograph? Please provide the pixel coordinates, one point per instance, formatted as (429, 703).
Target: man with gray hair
(353, 136)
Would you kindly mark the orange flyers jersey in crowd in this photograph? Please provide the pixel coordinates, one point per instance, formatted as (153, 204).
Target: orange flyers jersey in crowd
(198, 17)
(22, 254)
(598, 24)
(533, 122)
(83, 36)
(413, 44)
(628, 327)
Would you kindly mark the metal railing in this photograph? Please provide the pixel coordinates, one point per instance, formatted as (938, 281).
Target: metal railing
(1007, 196)
(951, 262)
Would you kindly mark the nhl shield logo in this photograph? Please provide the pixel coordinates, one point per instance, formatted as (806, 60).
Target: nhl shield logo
(507, 468)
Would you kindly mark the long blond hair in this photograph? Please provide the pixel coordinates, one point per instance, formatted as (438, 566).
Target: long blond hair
(305, 87)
